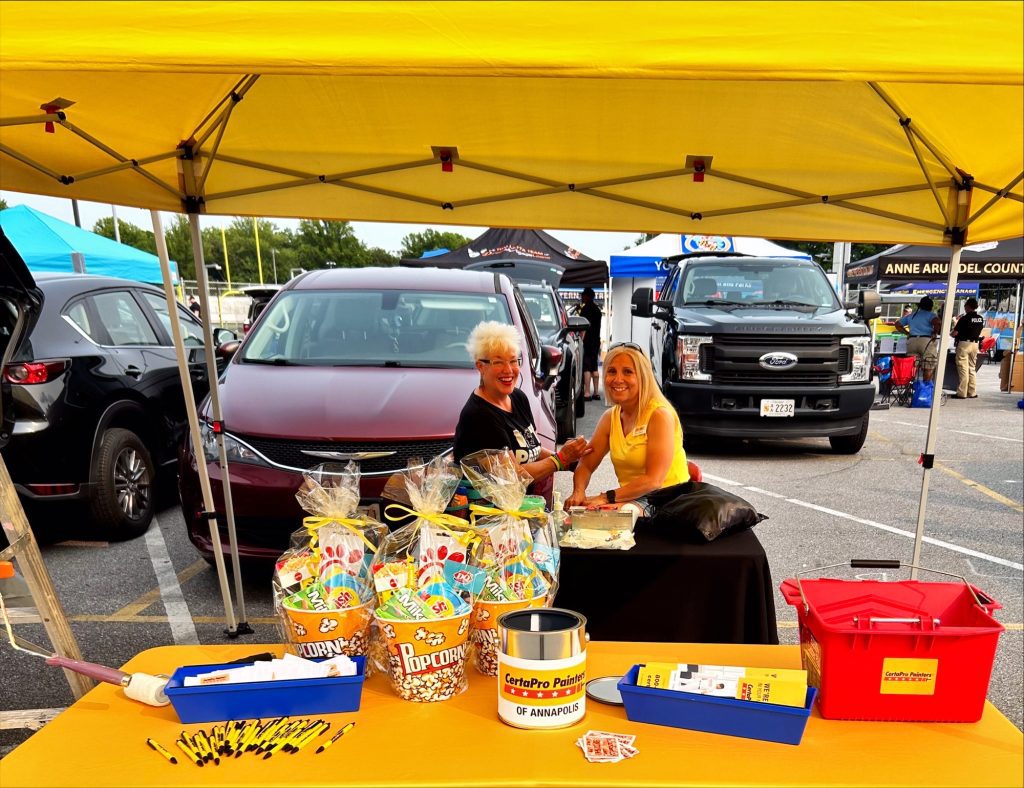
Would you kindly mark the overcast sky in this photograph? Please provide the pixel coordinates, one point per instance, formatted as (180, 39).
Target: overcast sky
(598, 245)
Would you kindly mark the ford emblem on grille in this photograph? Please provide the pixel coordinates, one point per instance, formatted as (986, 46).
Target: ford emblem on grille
(778, 360)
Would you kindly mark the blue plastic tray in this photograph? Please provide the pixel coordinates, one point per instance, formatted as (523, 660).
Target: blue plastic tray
(766, 721)
(256, 699)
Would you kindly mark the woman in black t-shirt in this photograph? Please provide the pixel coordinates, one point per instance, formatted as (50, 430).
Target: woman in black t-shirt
(497, 414)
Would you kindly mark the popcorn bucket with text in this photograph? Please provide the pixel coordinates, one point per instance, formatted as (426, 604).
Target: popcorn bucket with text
(426, 659)
(484, 633)
(328, 633)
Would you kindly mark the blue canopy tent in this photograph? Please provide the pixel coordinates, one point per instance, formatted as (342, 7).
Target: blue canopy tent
(46, 244)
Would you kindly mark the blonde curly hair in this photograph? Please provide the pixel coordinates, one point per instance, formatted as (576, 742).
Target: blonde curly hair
(493, 338)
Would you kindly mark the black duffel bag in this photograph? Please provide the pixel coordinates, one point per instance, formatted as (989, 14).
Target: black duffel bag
(691, 508)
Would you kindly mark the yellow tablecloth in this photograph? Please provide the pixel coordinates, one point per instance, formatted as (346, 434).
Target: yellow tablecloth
(100, 741)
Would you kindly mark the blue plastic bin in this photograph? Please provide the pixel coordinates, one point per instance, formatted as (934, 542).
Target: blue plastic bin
(256, 699)
(766, 721)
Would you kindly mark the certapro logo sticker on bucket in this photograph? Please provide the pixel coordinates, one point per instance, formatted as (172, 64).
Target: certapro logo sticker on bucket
(908, 676)
(549, 698)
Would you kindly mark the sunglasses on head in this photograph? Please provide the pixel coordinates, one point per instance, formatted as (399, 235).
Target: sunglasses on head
(630, 345)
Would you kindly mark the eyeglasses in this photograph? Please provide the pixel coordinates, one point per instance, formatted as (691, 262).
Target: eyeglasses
(499, 363)
(630, 345)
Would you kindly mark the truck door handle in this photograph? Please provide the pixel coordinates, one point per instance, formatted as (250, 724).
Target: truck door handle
(133, 371)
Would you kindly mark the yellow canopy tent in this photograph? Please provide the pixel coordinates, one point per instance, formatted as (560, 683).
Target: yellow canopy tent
(857, 121)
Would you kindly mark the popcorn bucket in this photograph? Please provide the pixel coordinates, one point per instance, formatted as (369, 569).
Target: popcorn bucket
(427, 658)
(328, 633)
(484, 634)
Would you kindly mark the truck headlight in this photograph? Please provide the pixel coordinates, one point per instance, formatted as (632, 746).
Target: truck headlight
(860, 350)
(688, 357)
(235, 450)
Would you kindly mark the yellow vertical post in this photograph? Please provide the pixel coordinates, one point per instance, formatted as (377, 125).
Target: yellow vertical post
(227, 265)
(259, 258)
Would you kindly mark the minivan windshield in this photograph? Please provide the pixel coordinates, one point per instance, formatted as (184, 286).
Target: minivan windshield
(543, 309)
(402, 328)
(764, 283)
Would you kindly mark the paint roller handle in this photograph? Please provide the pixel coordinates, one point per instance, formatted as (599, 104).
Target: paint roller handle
(90, 669)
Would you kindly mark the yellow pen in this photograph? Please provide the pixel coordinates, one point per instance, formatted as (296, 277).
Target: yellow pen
(316, 733)
(156, 746)
(192, 756)
(336, 736)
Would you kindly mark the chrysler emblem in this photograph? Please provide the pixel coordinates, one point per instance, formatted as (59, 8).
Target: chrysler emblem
(348, 455)
(777, 360)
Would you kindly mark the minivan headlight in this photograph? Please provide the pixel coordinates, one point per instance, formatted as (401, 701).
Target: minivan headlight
(688, 357)
(235, 450)
(860, 370)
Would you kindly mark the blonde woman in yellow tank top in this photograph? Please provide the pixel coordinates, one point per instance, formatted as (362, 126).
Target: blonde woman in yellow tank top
(641, 430)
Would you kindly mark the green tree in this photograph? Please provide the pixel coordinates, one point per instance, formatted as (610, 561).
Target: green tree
(644, 238)
(378, 256)
(821, 251)
(319, 242)
(3, 205)
(131, 235)
(415, 244)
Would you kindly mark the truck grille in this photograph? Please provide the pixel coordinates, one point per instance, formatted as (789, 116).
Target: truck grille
(734, 360)
(289, 452)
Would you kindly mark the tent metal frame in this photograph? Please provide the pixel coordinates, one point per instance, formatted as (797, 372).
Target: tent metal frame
(195, 166)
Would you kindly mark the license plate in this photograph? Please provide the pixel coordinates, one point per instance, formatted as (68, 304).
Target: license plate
(778, 408)
(371, 510)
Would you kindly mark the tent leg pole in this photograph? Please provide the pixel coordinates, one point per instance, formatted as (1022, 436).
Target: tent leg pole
(1015, 330)
(243, 627)
(933, 416)
(193, 417)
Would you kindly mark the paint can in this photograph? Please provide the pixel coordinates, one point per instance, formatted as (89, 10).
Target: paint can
(542, 668)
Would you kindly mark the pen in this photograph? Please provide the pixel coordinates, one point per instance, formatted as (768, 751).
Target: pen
(155, 746)
(192, 756)
(314, 733)
(336, 736)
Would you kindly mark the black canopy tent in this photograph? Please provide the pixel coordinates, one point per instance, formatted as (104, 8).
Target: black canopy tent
(498, 244)
(995, 261)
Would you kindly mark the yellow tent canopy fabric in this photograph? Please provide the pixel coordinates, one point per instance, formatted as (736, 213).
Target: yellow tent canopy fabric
(860, 121)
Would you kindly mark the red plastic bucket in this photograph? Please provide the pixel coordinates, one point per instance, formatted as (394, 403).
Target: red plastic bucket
(901, 650)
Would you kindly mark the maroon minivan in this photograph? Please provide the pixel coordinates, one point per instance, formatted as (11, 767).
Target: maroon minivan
(367, 364)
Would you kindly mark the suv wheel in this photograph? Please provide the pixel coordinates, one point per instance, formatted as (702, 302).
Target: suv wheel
(850, 444)
(122, 503)
(566, 421)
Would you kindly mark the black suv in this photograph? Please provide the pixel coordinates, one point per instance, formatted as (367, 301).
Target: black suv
(97, 399)
(538, 282)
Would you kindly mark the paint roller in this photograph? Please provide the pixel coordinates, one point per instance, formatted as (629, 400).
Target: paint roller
(142, 687)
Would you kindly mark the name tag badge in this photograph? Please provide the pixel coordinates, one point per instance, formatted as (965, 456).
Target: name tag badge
(519, 438)
(639, 432)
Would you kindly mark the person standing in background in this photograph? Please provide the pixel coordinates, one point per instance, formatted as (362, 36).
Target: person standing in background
(967, 332)
(194, 307)
(591, 343)
(923, 327)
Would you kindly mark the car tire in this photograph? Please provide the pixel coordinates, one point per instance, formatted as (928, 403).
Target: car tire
(122, 502)
(850, 444)
(566, 416)
(580, 404)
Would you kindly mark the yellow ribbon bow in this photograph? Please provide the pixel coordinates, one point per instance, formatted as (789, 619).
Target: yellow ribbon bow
(522, 514)
(313, 524)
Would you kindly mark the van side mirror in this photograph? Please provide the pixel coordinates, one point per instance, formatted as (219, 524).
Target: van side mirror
(642, 304)
(578, 324)
(869, 305)
(550, 362)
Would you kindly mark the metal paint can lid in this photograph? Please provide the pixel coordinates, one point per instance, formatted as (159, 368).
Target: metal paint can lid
(605, 690)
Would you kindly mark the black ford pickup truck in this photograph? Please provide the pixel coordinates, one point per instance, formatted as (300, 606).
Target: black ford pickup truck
(748, 347)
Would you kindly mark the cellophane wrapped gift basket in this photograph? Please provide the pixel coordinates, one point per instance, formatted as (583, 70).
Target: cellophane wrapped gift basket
(323, 584)
(519, 552)
(423, 577)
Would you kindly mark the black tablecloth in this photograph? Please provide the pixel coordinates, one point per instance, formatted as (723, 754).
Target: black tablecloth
(665, 589)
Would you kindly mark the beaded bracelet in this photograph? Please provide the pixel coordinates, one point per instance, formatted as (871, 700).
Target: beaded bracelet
(558, 464)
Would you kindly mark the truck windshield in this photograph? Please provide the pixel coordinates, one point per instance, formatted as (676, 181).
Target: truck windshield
(402, 328)
(765, 283)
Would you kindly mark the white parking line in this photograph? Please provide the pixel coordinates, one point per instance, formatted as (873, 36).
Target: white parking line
(963, 432)
(183, 630)
(873, 524)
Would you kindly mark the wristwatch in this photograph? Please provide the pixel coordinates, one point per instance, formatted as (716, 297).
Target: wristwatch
(610, 495)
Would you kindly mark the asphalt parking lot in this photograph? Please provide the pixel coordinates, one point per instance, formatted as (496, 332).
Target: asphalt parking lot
(122, 598)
